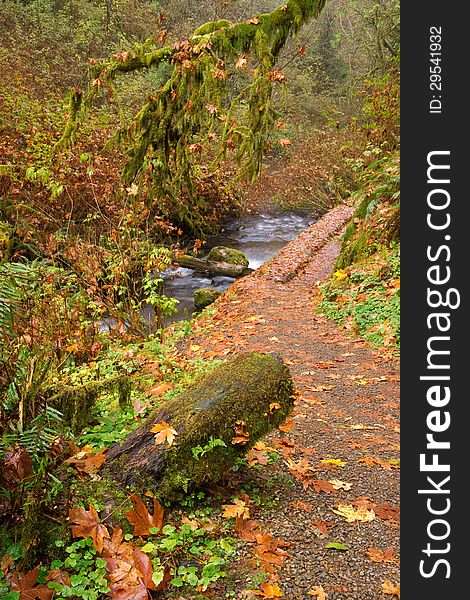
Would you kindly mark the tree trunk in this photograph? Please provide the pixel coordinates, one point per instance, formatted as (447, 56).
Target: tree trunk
(217, 419)
(213, 268)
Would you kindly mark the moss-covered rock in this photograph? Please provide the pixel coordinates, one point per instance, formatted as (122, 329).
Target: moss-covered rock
(217, 419)
(227, 255)
(205, 296)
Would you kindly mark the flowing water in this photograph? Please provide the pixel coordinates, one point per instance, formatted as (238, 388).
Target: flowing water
(259, 236)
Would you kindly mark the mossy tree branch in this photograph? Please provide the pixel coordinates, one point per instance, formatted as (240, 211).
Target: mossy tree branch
(194, 110)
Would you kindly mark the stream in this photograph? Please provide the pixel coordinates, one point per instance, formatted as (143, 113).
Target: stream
(259, 236)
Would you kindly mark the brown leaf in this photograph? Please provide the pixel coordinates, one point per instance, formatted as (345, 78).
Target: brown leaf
(17, 466)
(323, 486)
(141, 519)
(247, 530)
(256, 457)
(59, 576)
(300, 469)
(87, 525)
(301, 505)
(27, 585)
(323, 526)
(382, 556)
(86, 462)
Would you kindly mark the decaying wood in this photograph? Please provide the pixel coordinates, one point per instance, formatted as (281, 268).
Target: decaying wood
(217, 419)
(213, 268)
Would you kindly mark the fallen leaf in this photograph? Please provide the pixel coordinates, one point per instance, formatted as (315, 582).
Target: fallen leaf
(382, 556)
(352, 514)
(301, 505)
(16, 467)
(323, 486)
(140, 517)
(246, 529)
(287, 426)
(27, 586)
(333, 461)
(86, 524)
(323, 526)
(299, 469)
(268, 590)
(340, 485)
(89, 463)
(317, 591)
(164, 433)
(237, 509)
(160, 389)
(389, 588)
(336, 546)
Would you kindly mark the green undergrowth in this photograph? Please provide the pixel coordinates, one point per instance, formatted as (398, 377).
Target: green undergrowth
(365, 298)
(363, 292)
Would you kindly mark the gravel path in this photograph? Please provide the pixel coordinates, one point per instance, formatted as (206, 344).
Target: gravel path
(346, 413)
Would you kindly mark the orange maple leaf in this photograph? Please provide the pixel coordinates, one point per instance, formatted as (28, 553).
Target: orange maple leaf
(246, 529)
(237, 509)
(86, 524)
(140, 517)
(268, 590)
(389, 588)
(86, 462)
(159, 389)
(164, 433)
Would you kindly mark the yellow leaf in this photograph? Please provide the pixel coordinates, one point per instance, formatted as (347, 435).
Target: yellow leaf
(352, 514)
(164, 433)
(389, 588)
(339, 274)
(237, 509)
(333, 461)
(317, 591)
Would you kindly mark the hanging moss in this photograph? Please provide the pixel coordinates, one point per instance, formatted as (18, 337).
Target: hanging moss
(194, 107)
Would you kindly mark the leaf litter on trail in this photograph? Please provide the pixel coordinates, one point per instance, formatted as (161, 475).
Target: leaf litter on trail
(351, 514)
(318, 592)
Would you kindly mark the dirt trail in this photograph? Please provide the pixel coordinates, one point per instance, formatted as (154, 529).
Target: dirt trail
(347, 412)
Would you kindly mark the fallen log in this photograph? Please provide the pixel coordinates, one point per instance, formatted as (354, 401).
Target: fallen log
(216, 421)
(213, 268)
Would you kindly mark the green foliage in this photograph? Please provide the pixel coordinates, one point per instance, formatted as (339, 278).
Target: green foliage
(199, 451)
(376, 222)
(86, 569)
(193, 107)
(365, 299)
(200, 555)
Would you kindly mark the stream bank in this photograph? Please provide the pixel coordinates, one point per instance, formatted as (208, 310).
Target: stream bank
(259, 236)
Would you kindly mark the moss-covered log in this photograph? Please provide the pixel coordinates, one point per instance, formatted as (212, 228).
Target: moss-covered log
(213, 268)
(217, 419)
